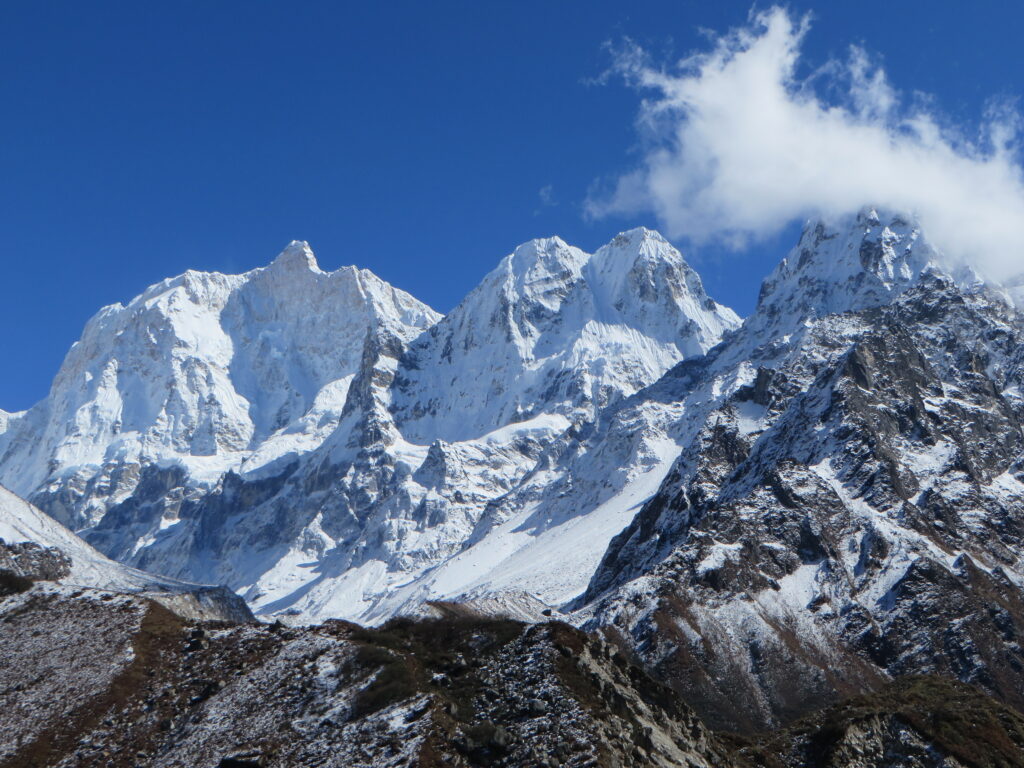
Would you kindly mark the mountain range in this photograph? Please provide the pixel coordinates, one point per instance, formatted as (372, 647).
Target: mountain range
(768, 515)
(317, 440)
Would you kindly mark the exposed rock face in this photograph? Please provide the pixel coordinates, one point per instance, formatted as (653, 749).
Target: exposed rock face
(34, 562)
(916, 722)
(850, 510)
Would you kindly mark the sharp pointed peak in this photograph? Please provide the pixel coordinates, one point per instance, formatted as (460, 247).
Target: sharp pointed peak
(639, 244)
(541, 245)
(638, 235)
(297, 254)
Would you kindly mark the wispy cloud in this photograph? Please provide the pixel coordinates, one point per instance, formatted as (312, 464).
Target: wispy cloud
(737, 146)
(546, 195)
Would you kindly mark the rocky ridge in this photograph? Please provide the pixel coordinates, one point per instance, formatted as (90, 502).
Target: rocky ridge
(850, 513)
(129, 683)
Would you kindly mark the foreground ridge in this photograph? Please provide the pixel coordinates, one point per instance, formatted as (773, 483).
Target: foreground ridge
(137, 684)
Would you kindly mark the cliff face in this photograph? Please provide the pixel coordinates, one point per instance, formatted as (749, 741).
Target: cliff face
(850, 513)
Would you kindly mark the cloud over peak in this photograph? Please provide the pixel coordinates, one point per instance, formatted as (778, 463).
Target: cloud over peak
(737, 146)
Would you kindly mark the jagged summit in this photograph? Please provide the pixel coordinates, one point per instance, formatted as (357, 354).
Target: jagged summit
(539, 251)
(555, 329)
(296, 254)
(844, 264)
(328, 390)
(637, 237)
(195, 373)
(846, 492)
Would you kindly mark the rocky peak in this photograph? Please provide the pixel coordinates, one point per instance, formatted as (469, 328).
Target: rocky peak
(197, 372)
(296, 255)
(644, 280)
(844, 264)
(556, 329)
(639, 246)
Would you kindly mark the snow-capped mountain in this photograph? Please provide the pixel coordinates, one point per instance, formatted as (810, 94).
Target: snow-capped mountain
(197, 375)
(796, 507)
(848, 506)
(315, 439)
(555, 330)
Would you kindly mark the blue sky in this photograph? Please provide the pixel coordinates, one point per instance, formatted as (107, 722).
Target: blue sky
(138, 140)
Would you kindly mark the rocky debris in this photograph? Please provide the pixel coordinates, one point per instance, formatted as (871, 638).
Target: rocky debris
(34, 562)
(126, 681)
(23, 563)
(202, 603)
(915, 722)
(98, 679)
(63, 662)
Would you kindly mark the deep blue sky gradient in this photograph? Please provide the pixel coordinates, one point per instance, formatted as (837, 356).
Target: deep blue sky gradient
(138, 140)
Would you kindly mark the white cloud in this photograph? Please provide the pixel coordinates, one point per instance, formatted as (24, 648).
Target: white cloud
(737, 146)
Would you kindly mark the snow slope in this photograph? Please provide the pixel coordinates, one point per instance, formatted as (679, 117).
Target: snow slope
(20, 522)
